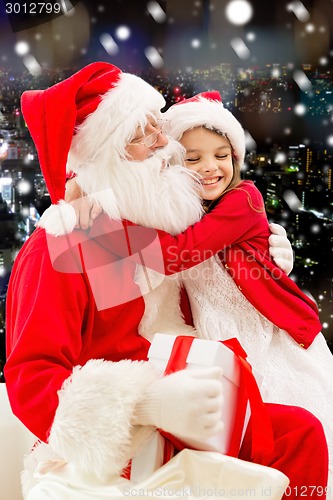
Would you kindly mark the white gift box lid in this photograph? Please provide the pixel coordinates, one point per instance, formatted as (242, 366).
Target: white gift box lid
(202, 353)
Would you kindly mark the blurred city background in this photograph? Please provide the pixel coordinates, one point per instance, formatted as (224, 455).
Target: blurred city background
(271, 61)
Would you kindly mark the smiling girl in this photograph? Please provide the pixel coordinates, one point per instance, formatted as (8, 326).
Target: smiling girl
(237, 293)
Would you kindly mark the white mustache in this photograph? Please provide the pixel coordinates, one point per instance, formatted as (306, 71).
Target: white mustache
(171, 154)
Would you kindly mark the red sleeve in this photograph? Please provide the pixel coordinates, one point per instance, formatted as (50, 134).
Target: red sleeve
(238, 217)
(45, 311)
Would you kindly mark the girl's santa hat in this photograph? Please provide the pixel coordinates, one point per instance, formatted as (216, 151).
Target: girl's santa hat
(96, 103)
(206, 109)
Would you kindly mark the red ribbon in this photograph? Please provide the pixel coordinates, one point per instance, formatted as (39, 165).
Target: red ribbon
(262, 433)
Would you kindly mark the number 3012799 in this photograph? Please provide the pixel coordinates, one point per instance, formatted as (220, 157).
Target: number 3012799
(33, 8)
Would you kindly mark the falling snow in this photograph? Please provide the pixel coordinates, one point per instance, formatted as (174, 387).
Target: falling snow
(302, 80)
(156, 11)
(22, 48)
(250, 142)
(109, 44)
(240, 48)
(123, 33)
(300, 109)
(195, 43)
(154, 57)
(292, 200)
(299, 10)
(32, 65)
(239, 12)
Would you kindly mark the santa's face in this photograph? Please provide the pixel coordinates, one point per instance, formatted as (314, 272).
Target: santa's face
(151, 192)
(146, 142)
(209, 155)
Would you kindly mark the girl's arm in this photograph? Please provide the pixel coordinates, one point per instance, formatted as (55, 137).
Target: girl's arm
(239, 216)
(86, 212)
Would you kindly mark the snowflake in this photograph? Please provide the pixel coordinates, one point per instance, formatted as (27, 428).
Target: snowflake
(239, 12)
(300, 109)
(292, 200)
(315, 229)
(310, 28)
(156, 12)
(109, 44)
(250, 37)
(123, 32)
(240, 48)
(323, 61)
(280, 157)
(154, 57)
(195, 43)
(299, 10)
(22, 48)
(32, 65)
(302, 80)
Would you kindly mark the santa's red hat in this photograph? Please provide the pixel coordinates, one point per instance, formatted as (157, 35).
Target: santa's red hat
(96, 103)
(206, 109)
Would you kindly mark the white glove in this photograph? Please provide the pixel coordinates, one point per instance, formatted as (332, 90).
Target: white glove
(187, 404)
(280, 248)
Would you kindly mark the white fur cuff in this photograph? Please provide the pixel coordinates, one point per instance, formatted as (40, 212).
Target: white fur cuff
(92, 426)
(58, 219)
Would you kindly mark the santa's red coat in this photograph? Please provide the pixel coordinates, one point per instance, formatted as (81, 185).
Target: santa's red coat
(55, 328)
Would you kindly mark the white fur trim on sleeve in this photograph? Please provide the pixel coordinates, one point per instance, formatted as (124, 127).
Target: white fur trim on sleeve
(92, 425)
(58, 219)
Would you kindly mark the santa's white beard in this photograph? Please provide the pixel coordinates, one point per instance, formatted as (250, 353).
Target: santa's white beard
(151, 193)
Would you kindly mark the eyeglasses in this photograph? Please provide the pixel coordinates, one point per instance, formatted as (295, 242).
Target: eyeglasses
(148, 141)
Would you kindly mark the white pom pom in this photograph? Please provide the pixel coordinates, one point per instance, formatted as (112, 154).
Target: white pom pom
(58, 219)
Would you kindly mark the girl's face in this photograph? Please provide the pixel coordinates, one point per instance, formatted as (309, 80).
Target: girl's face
(210, 155)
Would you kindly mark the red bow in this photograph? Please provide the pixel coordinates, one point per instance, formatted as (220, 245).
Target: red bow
(262, 433)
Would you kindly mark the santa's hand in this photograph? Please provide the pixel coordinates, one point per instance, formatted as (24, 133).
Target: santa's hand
(86, 210)
(280, 248)
(187, 404)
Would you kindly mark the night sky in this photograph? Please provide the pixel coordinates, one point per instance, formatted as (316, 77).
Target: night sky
(185, 34)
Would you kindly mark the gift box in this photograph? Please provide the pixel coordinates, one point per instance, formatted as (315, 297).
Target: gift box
(240, 390)
(148, 459)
